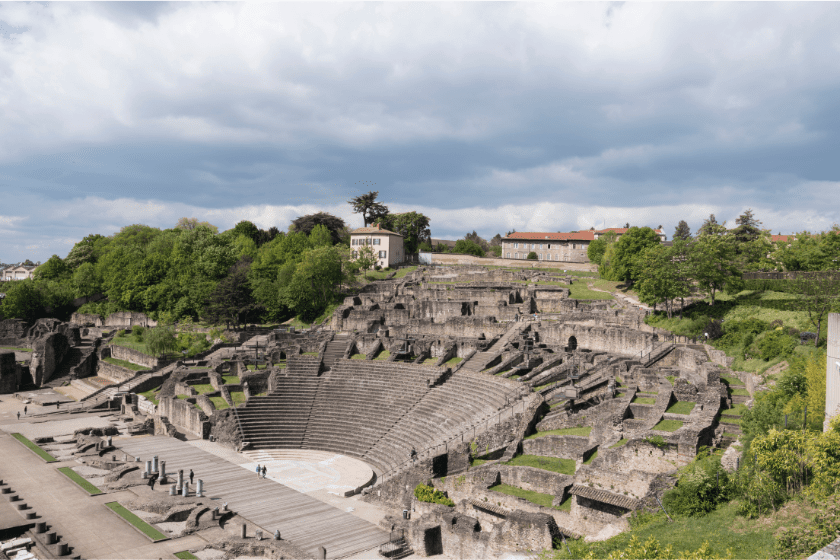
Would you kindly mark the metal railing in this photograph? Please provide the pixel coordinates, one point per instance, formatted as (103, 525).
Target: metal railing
(656, 349)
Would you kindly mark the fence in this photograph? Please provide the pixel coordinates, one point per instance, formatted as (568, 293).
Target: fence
(434, 450)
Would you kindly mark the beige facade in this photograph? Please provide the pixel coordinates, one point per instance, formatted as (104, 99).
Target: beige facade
(387, 246)
(20, 272)
(556, 247)
(832, 369)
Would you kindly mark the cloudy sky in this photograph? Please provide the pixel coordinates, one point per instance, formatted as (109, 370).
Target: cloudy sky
(483, 116)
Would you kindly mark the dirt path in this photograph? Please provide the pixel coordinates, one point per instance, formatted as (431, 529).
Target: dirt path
(621, 298)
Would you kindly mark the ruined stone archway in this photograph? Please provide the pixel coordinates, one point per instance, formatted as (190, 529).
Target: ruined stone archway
(572, 344)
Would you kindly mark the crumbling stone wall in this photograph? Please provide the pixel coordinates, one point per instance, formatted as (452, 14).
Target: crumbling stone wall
(183, 415)
(133, 356)
(12, 332)
(565, 447)
(128, 319)
(9, 372)
(49, 350)
(617, 340)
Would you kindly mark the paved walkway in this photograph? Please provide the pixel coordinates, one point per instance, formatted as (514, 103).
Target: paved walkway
(303, 520)
(83, 521)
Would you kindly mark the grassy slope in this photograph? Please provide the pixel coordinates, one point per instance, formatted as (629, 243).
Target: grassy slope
(553, 464)
(583, 431)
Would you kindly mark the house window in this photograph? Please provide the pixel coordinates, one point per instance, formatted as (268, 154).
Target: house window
(381, 253)
(355, 254)
(516, 255)
(376, 241)
(508, 255)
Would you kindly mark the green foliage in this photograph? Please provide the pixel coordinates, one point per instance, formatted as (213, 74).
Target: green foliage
(34, 448)
(702, 485)
(81, 481)
(618, 260)
(320, 236)
(144, 527)
(553, 464)
(804, 539)
(595, 251)
(53, 269)
(774, 344)
(657, 441)
(426, 493)
(668, 426)
(466, 247)
(532, 256)
(544, 500)
(161, 340)
(305, 225)
(413, 226)
(576, 431)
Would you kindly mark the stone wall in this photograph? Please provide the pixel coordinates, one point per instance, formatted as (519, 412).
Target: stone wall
(86, 319)
(12, 332)
(114, 373)
(184, 416)
(127, 319)
(565, 447)
(450, 259)
(599, 339)
(133, 356)
(9, 372)
(49, 350)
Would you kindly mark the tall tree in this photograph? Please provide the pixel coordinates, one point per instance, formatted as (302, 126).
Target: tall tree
(820, 291)
(161, 340)
(710, 225)
(496, 241)
(54, 269)
(88, 250)
(747, 227)
(712, 260)
(682, 231)
(368, 207)
(247, 229)
(622, 252)
(320, 236)
(335, 225)
(232, 301)
(192, 223)
(413, 226)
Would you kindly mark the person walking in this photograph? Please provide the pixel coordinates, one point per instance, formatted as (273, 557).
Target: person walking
(152, 480)
(264, 470)
(18, 414)
(24, 410)
(258, 469)
(192, 475)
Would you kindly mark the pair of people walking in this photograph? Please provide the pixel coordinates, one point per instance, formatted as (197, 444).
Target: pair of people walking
(261, 471)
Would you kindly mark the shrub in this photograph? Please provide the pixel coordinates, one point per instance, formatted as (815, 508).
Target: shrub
(426, 493)
(137, 332)
(698, 491)
(532, 256)
(803, 540)
(775, 344)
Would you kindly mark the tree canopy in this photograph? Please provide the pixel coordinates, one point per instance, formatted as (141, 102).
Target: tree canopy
(335, 225)
(368, 207)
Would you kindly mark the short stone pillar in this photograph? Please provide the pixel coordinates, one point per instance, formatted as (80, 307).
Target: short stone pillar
(180, 478)
(244, 530)
(322, 553)
(185, 489)
(125, 457)
(277, 535)
(6, 490)
(258, 535)
(155, 463)
(137, 459)
(49, 538)
(21, 506)
(215, 512)
(199, 489)
(148, 470)
(162, 472)
(61, 549)
(40, 527)
(30, 515)
(109, 440)
(173, 490)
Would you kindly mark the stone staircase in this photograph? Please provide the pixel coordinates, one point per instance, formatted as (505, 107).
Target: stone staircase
(335, 349)
(395, 549)
(478, 361)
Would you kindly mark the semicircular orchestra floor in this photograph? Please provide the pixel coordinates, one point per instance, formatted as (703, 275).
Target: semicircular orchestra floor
(306, 470)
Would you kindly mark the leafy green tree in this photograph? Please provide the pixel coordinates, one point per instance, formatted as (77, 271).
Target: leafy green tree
(305, 224)
(710, 225)
(320, 237)
(682, 231)
(368, 207)
(658, 278)
(496, 240)
(248, 229)
(619, 266)
(532, 256)
(315, 282)
(23, 300)
(413, 226)
(161, 340)
(231, 301)
(88, 250)
(465, 247)
(365, 258)
(596, 250)
(820, 292)
(193, 223)
(496, 250)
(747, 227)
(53, 269)
(86, 280)
(244, 246)
(712, 257)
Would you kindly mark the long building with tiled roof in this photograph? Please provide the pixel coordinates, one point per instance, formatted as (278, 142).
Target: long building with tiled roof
(568, 246)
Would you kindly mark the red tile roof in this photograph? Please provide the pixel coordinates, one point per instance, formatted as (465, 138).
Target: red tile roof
(782, 238)
(620, 230)
(557, 236)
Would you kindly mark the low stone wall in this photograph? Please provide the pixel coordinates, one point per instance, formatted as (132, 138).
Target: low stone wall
(565, 447)
(12, 332)
(450, 259)
(184, 416)
(117, 374)
(133, 356)
(128, 319)
(536, 480)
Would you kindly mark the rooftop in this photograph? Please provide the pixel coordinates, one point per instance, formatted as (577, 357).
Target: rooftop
(556, 236)
(372, 229)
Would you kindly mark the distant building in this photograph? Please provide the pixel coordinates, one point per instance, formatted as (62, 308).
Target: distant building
(445, 242)
(387, 246)
(17, 272)
(560, 247)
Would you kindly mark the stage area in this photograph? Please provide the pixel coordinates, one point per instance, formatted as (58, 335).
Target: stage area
(307, 470)
(301, 519)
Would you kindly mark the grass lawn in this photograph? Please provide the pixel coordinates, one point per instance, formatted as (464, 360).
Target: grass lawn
(310, 354)
(478, 462)
(619, 395)
(186, 555)
(722, 529)
(231, 379)
(727, 420)
(358, 357)
(219, 402)
(553, 464)
(647, 392)
(643, 400)
(81, 481)
(668, 426)
(203, 388)
(403, 272)
(238, 397)
(565, 505)
(16, 349)
(730, 435)
(130, 342)
(501, 372)
(739, 392)
(453, 361)
(579, 290)
(681, 407)
(732, 381)
(579, 431)
(34, 448)
(671, 379)
(151, 395)
(384, 355)
(591, 458)
(619, 443)
(533, 497)
(144, 527)
(737, 410)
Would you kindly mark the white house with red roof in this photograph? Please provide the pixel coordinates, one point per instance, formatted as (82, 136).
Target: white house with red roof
(559, 247)
(387, 246)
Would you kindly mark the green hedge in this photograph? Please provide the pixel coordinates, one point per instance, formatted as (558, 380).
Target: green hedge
(34, 448)
(81, 481)
(138, 523)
